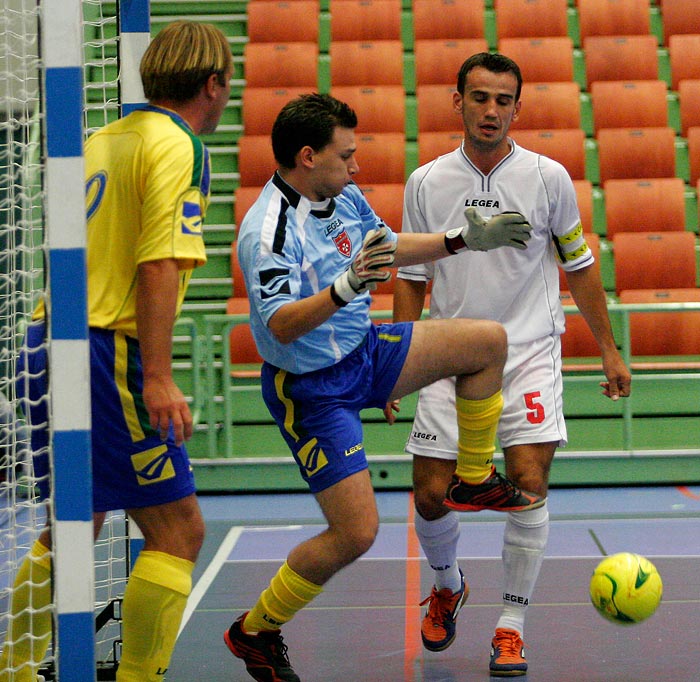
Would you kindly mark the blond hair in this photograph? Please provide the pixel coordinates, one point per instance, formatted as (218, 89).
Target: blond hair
(180, 59)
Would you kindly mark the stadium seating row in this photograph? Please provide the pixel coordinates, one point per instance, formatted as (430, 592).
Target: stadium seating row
(382, 19)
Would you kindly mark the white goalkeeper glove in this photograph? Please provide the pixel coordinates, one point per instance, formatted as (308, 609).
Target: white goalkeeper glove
(368, 268)
(504, 229)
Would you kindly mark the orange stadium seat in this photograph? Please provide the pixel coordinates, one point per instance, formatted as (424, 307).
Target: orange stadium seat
(435, 108)
(261, 106)
(566, 145)
(650, 205)
(672, 333)
(683, 52)
(613, 18)
(256, 162)
(680, 16)
(281, 21)
(541, 59)
(365, 19)
(379, 108)
(387, 201)
(381, 157)
(578, 340)
(629, 104)
(283, 65)
(242, 348)
(689, 104)
(654, 260)
(432, 144)
(531, 18)
(615, 58)
(438, 61)
(549, 105)
(636, 153)
(444, 19)
(367, 62)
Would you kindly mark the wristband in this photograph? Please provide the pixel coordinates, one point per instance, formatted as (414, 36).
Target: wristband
(336, 298)
(454, 242)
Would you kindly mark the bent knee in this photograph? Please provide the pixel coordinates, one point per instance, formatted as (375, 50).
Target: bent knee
(429, 500)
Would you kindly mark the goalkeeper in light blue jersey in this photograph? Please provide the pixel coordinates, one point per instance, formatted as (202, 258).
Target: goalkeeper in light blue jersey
(311, 250)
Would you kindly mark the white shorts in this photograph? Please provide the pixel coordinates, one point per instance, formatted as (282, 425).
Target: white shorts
(532, 404)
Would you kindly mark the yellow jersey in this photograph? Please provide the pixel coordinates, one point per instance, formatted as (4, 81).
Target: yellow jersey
(148, 180)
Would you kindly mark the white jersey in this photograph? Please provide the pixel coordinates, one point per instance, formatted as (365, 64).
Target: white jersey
(519, 289)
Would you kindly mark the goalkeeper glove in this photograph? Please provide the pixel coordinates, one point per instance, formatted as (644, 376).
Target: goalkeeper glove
(504, 229)
(367, 269)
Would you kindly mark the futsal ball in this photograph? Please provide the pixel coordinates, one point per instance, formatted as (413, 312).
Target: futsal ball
(626, 588)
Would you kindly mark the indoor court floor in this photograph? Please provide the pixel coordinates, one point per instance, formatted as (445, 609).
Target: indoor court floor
(365, 626)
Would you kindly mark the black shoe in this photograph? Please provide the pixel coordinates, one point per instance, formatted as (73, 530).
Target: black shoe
(497, 492)
(264, 654)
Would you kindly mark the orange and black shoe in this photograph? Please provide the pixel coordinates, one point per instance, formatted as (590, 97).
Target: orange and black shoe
(497, 493)
(507, 654)
(438, 628)
(264, 654)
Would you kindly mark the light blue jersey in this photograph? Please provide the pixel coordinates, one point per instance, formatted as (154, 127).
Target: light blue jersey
(290, 248)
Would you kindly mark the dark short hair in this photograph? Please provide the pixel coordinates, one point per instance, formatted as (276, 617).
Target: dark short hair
(494, 62)
(308, 120)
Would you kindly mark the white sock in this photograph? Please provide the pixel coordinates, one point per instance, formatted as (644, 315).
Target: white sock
(439, 539)
(524, 542)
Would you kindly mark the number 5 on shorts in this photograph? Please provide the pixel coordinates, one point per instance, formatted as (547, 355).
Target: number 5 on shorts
(536, 408)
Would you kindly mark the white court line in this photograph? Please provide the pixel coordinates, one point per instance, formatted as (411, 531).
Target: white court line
(209, 575)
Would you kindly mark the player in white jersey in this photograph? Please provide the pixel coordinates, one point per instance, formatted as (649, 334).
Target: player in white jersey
(519, 289)
(311, 249)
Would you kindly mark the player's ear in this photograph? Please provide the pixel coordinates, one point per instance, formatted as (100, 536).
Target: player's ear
(306, 156)
(212, 84)
(457, 102)
(516, 110)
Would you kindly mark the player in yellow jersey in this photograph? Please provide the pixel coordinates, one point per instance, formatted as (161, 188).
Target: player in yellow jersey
(147, 190)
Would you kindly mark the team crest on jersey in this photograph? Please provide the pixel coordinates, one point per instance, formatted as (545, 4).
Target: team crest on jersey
(343, 244)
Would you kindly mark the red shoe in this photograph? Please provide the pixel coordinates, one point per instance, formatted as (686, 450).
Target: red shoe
(264, 654)
(497, 492)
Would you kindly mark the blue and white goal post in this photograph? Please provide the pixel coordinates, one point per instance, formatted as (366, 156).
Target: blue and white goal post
(66, 67)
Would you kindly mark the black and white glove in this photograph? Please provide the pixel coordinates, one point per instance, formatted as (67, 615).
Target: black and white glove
(368, 268)
(504, 229)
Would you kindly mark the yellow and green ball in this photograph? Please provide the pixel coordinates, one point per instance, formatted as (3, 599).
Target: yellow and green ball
(626, 588)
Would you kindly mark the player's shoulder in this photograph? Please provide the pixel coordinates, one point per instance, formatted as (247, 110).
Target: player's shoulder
(541, 161)
(435, 169)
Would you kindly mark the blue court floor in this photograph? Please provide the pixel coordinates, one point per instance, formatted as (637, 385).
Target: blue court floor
(364, 627)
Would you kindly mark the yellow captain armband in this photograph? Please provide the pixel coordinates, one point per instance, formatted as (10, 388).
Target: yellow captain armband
(572, 246)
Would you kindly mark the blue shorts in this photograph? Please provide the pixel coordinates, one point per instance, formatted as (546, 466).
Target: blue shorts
(131, 466)
(318, 413)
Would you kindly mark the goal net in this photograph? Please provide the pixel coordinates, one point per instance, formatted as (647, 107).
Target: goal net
(24, 250)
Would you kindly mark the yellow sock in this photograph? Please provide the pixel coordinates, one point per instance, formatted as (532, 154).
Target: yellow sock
(154, 601)
(30, 626)
(477, 421)
(288, 593)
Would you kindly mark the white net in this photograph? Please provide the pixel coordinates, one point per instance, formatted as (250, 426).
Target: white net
(21, 278)
(22, 249)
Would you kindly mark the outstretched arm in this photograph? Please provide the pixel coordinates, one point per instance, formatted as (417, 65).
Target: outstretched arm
(505, 229)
